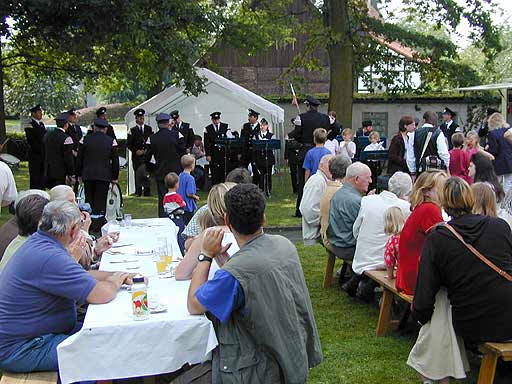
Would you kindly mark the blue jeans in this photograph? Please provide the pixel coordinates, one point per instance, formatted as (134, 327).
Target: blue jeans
(38, 354)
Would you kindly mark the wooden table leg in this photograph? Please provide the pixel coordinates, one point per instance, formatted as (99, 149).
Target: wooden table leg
(488, 367)
(384, 321)
(329, 269)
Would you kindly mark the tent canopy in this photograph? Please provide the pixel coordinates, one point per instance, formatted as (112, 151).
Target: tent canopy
(221, 95)
(487, 87)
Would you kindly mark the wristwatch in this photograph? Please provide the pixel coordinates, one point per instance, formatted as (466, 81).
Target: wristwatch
(203, 257)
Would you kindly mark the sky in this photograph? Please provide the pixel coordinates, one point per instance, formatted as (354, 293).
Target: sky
(460, 38)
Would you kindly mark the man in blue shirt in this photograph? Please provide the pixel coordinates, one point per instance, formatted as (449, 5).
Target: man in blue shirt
(259, 301)
(314, 155)
(39, 287)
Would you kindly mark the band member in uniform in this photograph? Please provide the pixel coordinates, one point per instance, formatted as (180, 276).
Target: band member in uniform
(449, 127)
(216, 154)
(101, 113)
(75, 132)
(263, 160)
(184, 129)
(59, 164)
(165, 149)
(35, 132)
(247, 134)
(366, 129)
(291, 153)
(136, 143)
(305, 124)
(98, 166)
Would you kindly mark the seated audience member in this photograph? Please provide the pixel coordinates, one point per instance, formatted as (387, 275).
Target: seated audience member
(309, 207)
(237, 176)
(398, 146)
(485, 200)
(375, 144)
(10, 229)
(479, 297)
(338, 168)
(394, 220)
(347, 146)
(426, 212)
(344, 209)
(369, 232)
(212, 217)
(459, 158)
(313, 156)
(29, 210)
(8, 190)
(481, 169)
(259, 299)
(332, 145)
(39, 288)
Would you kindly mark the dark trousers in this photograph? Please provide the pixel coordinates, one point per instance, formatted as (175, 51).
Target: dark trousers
(187, 217)
(36, 171)
(199, 176)
(262, 177)
(96, 195)
(294, 173)
(50, 183)
(162, 190)
(218, 172)
(300, 189)
(141, 179)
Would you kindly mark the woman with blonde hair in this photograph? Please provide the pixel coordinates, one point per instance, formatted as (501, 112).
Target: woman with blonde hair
(479, 304)
(501, 149)
(485, 199)
(426, 212)
(212, 217)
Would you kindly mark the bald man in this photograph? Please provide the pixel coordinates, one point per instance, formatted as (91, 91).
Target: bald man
(314, 189)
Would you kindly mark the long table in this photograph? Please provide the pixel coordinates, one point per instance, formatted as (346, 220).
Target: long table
(111, 345)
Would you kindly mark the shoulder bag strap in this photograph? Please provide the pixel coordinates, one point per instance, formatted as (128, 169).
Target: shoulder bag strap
(427, 140)
(473, 250)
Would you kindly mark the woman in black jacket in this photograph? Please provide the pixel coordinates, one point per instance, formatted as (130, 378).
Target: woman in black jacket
(263, 160)
(398, 146)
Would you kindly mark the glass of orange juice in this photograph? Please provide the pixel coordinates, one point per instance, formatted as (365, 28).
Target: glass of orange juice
(161, 265)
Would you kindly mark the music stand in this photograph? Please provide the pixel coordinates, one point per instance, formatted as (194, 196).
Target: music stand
(373, 159)
(265, 145)
(227, 144)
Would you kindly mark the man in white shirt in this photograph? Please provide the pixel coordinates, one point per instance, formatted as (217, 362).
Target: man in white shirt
(418, 147)
(8, 190)
(314, 190)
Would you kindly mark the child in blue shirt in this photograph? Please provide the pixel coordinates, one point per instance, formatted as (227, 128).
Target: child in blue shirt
(313, 156)
(187, 187)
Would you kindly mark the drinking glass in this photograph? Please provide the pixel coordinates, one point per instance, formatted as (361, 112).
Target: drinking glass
(128, 220)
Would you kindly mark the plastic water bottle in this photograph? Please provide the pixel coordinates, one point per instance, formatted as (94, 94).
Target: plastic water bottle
(140, 306)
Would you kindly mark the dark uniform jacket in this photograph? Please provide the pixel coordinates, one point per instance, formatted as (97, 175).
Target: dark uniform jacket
(310, 121)
(135, 141)
(110, 131)
(188, 134)
(448, 132)
(291, 151)
(247, 134)
(97, 158)
(262, 157)
(59, 161)
(35, 133)
(75, 132)
(210, 135)
(420, 136)
(335, 131)
(167, 147)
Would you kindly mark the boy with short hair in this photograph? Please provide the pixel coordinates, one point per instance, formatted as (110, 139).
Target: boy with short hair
(187, 186)
(313, 156)
(347, 146)
(172, 199)
(459, 158)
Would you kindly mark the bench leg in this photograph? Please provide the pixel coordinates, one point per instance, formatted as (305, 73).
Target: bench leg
(329, 269)
(488, 367)
(384, 322)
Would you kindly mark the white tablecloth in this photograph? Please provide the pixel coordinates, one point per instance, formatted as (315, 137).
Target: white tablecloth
(112, 345)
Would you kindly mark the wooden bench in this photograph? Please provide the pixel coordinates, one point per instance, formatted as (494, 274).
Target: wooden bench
(492, 351)
(29, 378)
(385, 323)
(329, 276)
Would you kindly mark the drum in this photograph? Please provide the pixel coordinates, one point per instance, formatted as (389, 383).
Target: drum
(12, 161)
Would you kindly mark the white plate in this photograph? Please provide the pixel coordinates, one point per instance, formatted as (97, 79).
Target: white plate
(158, 309)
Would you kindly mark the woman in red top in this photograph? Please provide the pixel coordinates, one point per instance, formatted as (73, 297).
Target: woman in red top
(426, 212)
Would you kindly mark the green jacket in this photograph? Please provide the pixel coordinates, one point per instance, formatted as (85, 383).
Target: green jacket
(276, 339)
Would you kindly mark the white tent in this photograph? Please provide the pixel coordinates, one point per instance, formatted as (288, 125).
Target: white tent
(222, 95)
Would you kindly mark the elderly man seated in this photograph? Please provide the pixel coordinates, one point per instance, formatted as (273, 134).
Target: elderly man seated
(309, 207)
(259, 299)
(29, 210)
(369, 228)
(38, 290)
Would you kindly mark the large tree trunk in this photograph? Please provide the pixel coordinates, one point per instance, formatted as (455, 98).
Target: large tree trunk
(157, 86)
(341, 61)
(3, 131)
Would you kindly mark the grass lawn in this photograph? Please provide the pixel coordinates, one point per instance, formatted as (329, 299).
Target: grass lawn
(352, 353)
